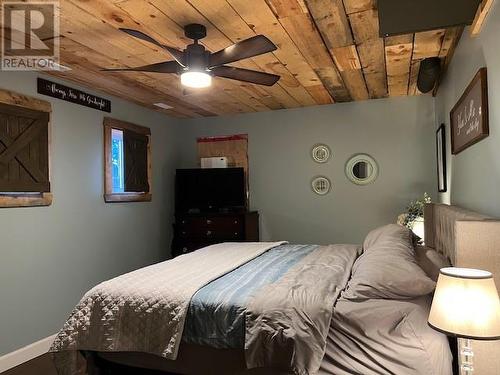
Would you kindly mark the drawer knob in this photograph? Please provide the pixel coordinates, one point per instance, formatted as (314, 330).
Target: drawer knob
(236, 233)
(183, 232)
(236, 221)
(184, 250)
(209, 232)
(183, 221)
(209, 221)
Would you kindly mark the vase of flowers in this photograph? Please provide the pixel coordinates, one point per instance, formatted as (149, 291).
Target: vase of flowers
(413, 218)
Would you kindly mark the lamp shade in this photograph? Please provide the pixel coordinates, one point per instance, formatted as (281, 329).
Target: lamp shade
(466, 304)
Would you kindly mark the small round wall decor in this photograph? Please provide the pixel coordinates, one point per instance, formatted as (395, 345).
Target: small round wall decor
(320, 153)
(321, 185)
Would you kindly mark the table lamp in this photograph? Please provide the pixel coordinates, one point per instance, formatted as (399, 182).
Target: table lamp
(466, 305)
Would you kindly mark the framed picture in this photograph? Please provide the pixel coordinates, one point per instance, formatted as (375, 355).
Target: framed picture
(469, 117)
(441, 158)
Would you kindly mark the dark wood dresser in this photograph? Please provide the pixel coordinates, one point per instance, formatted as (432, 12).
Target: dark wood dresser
(194, 231)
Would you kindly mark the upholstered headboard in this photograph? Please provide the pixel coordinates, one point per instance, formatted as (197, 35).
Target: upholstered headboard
(440, 228)
(472, 240)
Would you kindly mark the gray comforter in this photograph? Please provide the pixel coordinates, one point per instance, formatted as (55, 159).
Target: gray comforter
(382, 337)
(286, 319)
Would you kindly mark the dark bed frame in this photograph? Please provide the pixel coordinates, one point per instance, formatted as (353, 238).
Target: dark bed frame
(110, 368)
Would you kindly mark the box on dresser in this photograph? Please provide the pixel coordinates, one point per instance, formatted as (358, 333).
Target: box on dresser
(193, 231)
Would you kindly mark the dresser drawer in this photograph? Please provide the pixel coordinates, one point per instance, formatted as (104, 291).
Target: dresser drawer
(189, 246)
(211, 227)
(192, 227)
(194, 231)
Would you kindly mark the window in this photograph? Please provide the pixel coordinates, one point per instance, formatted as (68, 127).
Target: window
(117, 161)
(127, 156)
(24, 151)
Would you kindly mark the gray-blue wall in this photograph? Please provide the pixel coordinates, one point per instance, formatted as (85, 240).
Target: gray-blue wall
(397, 132)
(50, 256)
(474, 174)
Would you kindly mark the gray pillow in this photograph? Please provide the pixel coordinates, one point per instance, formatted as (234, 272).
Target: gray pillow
(388, 268)
(430, 261)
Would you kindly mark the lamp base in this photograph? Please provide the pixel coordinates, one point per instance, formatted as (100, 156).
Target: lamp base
(466, 357)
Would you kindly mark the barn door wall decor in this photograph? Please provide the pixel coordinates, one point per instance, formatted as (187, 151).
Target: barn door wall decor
(136, 161)
(24, 151)
(24, 159)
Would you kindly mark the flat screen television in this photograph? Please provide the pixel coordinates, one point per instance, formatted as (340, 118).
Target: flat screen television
(210, 190)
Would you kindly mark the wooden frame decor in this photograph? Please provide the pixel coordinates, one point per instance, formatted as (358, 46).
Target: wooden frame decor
(469, 118)
(25, 134)
(234, 147)
(138, 170)
(441, 159)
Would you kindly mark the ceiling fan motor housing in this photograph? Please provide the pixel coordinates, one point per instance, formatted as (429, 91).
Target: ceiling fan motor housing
(195, 31)
(197, 58)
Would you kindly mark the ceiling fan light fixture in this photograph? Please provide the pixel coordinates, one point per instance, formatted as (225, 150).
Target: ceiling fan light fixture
(196, 79)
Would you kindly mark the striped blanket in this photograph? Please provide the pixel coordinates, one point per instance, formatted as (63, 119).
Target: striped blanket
(277, 307)
(216, 315)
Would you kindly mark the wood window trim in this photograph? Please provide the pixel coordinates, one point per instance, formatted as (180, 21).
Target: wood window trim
(110, 197)
(28, 200)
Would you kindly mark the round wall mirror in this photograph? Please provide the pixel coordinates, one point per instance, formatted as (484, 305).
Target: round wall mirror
(361, 169)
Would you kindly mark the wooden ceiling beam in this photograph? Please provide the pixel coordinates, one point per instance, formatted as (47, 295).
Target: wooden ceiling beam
(427, 44)
(450, 42)
(296, 20)
(262, 20)
(414, 70)
(398, 53)
(356, 6)
(370, 47)
(333, 24)
(480, 18)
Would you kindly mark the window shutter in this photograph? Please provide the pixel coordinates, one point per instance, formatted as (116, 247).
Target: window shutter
(136, 161)
(24, 150)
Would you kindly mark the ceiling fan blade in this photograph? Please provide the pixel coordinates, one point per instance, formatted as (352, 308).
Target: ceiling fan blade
(245, 75)
(163, 67)
(254, 46)
(176, 54)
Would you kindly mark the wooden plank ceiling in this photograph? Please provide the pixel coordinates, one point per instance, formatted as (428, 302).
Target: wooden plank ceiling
(328, 51)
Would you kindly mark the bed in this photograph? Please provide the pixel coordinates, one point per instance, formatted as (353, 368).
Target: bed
(272, 308)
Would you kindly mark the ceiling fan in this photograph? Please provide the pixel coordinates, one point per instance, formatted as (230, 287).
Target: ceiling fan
(196, 65)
